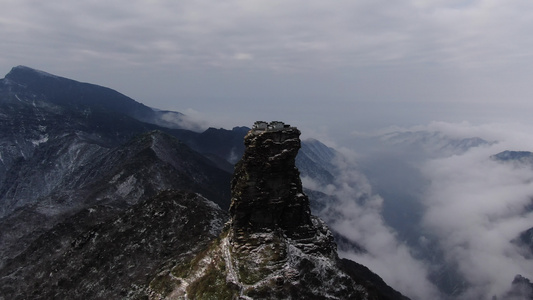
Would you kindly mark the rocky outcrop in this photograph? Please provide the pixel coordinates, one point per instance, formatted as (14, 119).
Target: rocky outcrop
(267, 192)
(272, 248)
(521, 289)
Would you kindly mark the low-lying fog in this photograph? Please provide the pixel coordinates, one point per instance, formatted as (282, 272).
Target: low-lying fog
(438, 215)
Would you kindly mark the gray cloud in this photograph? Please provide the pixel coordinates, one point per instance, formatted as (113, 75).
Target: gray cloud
(189, 54)
(211, 32)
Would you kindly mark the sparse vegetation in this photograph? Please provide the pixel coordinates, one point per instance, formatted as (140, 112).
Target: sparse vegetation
(213, 285)
(163, 284)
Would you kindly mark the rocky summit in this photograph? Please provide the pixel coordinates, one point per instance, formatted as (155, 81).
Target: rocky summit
(272, 247)
(266, 188)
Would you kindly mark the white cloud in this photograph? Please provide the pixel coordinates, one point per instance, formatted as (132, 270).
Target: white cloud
(475, 207)
(471, 206)
(243, 56)
(356, 214)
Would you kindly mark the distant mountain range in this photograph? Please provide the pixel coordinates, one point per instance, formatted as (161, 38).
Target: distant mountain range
(516, 157)
(432, 143)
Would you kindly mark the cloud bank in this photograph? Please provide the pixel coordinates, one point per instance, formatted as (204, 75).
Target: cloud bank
(475, 207)
(356, 213)
(469, 209)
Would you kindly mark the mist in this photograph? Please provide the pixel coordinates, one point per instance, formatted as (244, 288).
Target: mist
(432, 202)
(356, 213)
(475, 206)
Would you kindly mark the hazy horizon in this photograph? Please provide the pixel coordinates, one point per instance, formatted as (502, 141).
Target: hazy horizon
(355, 66)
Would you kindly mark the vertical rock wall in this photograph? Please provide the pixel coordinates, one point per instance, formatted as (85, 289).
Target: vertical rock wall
(266, 188)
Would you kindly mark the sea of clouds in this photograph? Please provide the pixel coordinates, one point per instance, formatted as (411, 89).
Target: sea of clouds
(471, 210)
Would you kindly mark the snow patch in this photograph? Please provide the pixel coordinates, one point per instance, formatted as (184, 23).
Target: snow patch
(208, 202)
(215, 225)
(232, 275)
(126, 187)
(42, 140)
(185, 282)
(115, 178)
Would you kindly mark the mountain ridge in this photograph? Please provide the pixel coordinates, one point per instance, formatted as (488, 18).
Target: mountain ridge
(80, 95)
(81, 167)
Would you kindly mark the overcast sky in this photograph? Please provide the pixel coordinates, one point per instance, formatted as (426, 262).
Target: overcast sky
(317, 64)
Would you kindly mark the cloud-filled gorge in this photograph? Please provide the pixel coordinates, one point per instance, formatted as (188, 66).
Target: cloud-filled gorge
(461, 239)
(476, 206)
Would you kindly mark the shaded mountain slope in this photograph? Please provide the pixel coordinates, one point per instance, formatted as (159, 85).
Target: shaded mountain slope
(66, 146)
(36, 106)
(29, 118)
(84, 96)
(116, 258)
(72, 167)
(72, 174)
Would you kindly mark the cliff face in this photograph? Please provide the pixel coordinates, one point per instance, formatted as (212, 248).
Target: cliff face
(266, 188)
(272, 248)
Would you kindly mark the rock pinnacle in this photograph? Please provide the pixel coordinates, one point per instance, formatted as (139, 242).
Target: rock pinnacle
(266, 188)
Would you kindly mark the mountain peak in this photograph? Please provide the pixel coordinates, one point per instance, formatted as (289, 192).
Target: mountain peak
(82, 96)
(21, 72)
(273, 248)
(22, 68)
(508, 155)
(266, 188)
